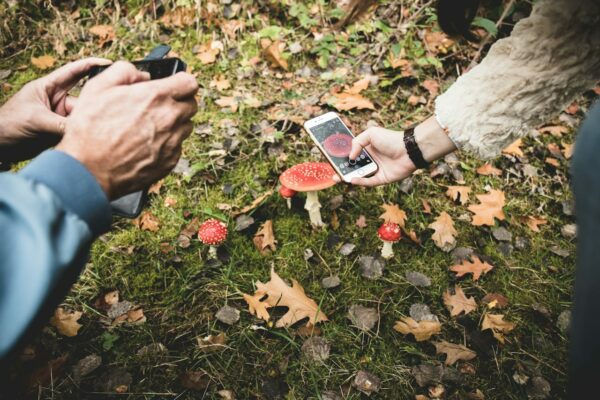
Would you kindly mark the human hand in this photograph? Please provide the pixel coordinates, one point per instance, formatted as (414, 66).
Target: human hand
(34, 118)
(128, 130)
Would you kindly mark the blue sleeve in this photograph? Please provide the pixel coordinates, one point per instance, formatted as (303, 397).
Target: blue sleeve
(50, 212)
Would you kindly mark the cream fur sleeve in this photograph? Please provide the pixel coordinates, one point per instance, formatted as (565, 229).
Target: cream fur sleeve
(551, 57)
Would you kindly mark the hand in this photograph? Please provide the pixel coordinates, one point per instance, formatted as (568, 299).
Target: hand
(128, 130)
(34, 118)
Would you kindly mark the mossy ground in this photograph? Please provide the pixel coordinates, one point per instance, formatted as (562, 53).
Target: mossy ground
(180, 293)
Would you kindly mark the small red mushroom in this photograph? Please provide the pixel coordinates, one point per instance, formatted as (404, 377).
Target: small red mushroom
(287, 194)
(212, 232)
(389, 233)
(309, 177)
(338, 145)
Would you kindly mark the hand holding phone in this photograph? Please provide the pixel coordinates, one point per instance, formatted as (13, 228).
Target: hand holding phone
(335, 141)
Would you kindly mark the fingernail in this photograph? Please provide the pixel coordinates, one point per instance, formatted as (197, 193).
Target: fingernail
(336, 179)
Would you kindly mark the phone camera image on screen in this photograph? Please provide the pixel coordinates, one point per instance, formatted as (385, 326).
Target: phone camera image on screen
(336, 141)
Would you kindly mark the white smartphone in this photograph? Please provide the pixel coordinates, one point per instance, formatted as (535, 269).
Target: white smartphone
(334, 139)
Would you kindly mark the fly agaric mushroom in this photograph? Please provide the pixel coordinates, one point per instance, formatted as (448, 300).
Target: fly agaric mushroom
(212, 232)
(389, 233)
(338, 145)
(287, 194)
(309, 177)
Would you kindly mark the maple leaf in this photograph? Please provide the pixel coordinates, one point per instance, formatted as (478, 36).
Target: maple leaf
(421, 330)
(454, 352)
(264, 240)
(272, 53)
(496, 323)
(66, 322)
(444, 232)
(514, 149)
(393, 214)
(279, 293)
(534, 222)
(490, 207)
(488, 169)
(477, 268)
(257, 307)
(43, 62)
(105, 33)
(458, 302)
(459, 193)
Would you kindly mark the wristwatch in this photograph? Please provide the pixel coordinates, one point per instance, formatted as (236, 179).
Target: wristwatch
(412, 148)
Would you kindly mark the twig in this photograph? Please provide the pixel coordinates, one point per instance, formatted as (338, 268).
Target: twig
(488, 39)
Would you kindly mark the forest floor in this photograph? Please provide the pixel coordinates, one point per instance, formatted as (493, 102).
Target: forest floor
(264, 67)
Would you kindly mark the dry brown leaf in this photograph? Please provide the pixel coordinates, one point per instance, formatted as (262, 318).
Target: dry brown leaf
(432, 87)
(437, 42)
(361, 221)
(212, 343)
(555, 130)
(454, 352)
(554, 150)
(279, 293)
(552, 161)
(497, 324)
(335, 221)
(185, 236)
(412, 235)
(272, 53)
(105, 301)
(421, 330)
(105, 33)
(514, 149)
(477, 268)
(572, 108)
(494, 300)
(405, 66)
(426, 206)
(179, 17)
(393, 214)
(490, 207)
(359, 85)
(264, 239)
(255, 203)
(534, 222)
(207, 54)
(220, 83)
(458, 302)
(488, 169)
(66, 322)
(444, 235)
(257, 307)
(348, 101)
(43, 62)
(459, 193)
(228, 101)
(232, 27)
(155, 188)
(568, 149)
(135, 316)
(147, 222)
(170, 202)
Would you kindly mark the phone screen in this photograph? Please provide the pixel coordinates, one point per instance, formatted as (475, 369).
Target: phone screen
(158, 69)
(336, 141)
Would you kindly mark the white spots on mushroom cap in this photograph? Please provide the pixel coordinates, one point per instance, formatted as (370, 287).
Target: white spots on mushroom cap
(309, 176)
(389, 232)
(212, 232)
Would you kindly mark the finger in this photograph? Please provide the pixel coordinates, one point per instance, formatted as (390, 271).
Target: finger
(67, 76)
(120, 73)
(70, 102)
(358, 143)
(375, 180)
(49, 122)
(336, 178)
(180, 86)
(188, 109)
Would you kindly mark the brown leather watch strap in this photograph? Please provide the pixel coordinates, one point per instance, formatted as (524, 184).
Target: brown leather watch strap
(412, 148)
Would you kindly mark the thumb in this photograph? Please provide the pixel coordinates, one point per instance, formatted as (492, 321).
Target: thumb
(49, 122)
(358, 143)
(120, 73)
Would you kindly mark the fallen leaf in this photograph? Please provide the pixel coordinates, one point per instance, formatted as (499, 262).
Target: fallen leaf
(454, 352)
(335, 221)
(490, 207)
(477, 268)
(364, 318)
(552, 161)
(555, 130)
(426, 206)
(359, 85)
(437, 42)
(195, 380)
(568, 149)
(393, 214)
(279, 294)
(572, 108)
(444, 235)
(220, 83)
(66, 322)
(135, 316)
(228, 101)
(105, 301)
(421, 330)
(212, 343)
(405, 66)
(347, 101)
(272, 53)
(361, 221)
(432, 87)
(534, 222)
(179, 17)
(514, 149)
(496, 323)
(105, 33)
(554, 150)
(494, 300)
(170, 202)
(207, 53)
(147, 222)
(459, 193)
(155, 188)
(43, 62)
(185, 236)
(366, 382)
(255, 203)
(458, 302)
(488, 169)
(264, 239)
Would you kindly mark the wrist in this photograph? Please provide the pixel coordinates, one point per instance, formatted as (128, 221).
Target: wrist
(432, 140)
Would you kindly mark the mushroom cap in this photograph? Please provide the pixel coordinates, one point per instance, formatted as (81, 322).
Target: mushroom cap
(338, 145)
(389, 231)
(286, 192)
(212, 232)
(308, 177)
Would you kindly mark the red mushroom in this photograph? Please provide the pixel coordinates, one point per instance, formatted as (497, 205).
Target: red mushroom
(389, 233)
(287, 194)
(212, 232)
(309, 177)
(338, 145)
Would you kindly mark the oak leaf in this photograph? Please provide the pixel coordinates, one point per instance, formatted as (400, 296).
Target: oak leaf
(458, 302)
(272, 53)
(534, 222)
(348, 101)
(66, 322)
(278, 294)
(477, 268)
(555, 130)
(421, 330)
(264, 239)
(393, 214)
(514, 149)
(459, 193)
(495, 300)
(147, 222)
(43, 62)
(105, 33)
(490, 207)
(444, 235)
(497, 324)
(488, 169)
(454, 352)
(359, 85)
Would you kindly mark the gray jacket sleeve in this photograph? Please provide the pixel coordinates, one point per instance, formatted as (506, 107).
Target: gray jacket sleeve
(550, 58)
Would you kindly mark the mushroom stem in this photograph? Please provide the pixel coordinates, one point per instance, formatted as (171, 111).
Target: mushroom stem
(212, 252)
(387, 252)
(289, 202)
(313, 207)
